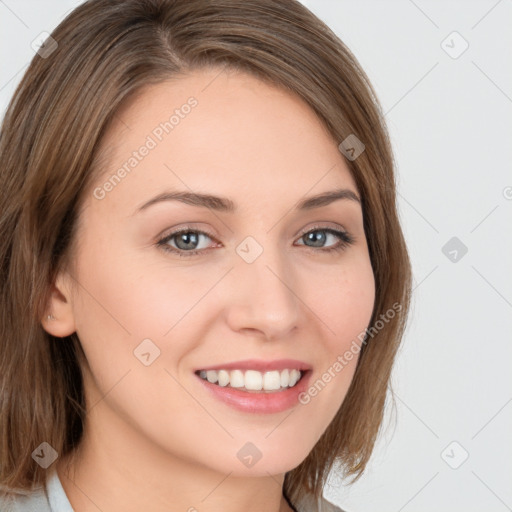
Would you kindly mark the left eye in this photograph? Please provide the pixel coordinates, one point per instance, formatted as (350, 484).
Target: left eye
(187, 241)
(313, 236)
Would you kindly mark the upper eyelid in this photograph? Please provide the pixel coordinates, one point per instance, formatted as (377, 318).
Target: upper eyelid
(186, 229)
(318, 226)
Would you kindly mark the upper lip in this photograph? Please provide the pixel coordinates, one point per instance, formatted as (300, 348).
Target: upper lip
(260, 365)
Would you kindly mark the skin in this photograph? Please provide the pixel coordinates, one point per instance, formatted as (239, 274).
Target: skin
(154, 438)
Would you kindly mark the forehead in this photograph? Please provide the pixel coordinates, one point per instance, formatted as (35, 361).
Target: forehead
(212, 130)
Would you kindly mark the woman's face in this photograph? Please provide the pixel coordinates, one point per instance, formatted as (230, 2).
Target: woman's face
(267, 281)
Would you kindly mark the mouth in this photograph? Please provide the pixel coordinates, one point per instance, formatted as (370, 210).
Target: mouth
(254, 381)
(254, 391)
(257, 386)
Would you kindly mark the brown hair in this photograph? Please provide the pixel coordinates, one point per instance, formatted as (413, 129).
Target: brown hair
(108, 51)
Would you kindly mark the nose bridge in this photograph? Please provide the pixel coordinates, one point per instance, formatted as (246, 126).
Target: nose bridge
(263, 288)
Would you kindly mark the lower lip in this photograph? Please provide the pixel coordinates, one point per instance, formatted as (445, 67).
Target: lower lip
(259, 403)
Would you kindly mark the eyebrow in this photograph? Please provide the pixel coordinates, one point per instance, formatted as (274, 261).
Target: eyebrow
(223, 204)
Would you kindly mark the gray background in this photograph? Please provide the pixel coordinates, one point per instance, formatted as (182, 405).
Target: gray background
(449, 115)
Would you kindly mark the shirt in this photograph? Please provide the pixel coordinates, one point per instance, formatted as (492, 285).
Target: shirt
(52, 498)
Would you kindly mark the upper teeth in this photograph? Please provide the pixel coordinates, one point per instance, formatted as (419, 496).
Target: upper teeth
(252, 379)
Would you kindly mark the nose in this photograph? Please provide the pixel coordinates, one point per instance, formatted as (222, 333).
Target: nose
(262, 297)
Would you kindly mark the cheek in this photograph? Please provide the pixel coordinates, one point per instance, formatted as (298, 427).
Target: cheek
(125, 301)
(343, 298)
(344, 301)
(126, 298)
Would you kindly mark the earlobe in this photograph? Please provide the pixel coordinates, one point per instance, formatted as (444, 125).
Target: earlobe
(59, 318)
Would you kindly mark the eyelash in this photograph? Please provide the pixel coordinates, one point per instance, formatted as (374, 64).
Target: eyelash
(345, 240)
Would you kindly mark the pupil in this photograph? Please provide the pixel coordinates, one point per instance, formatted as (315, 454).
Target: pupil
(317, 237)
(190, 238)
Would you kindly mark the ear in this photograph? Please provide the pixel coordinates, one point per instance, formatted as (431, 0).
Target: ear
(59, 319)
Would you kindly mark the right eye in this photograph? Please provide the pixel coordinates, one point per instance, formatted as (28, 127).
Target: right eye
(186, 241)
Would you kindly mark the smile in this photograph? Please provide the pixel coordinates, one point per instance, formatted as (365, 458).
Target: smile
(253, 380)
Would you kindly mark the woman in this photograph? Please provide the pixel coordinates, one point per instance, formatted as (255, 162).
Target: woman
(204, 280)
